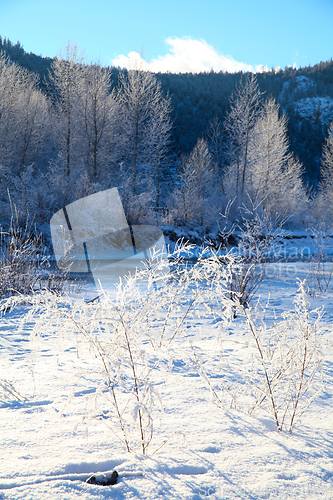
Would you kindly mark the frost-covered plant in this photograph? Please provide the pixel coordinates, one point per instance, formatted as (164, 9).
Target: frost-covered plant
(283, 374)
(132, 333)
(22, 256)
(288, 361)
(9, 392)
(258, 237)
(23, 263)
(320, 269)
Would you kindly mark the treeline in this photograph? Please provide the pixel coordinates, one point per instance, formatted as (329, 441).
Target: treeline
(80, 136)
(197, 99)
(30, 61)
(182, 147)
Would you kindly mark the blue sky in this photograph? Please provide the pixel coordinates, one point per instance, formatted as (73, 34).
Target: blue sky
(176, 35)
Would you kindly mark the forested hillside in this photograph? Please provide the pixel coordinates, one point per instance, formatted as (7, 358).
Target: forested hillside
(69, 128)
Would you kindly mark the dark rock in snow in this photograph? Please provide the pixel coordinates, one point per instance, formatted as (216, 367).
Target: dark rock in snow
(103, 479)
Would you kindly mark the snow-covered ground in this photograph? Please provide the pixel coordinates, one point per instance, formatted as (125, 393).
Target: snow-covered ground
(47, 452)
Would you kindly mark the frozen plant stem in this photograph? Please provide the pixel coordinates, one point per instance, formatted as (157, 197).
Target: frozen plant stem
(136, 385)
(262, 360)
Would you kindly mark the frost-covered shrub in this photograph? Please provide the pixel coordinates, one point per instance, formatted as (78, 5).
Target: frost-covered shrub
(320, 276)
(22, 256)
(289, 360)
(24, 266)
(133, 333)
(281, 373)
(258, 237)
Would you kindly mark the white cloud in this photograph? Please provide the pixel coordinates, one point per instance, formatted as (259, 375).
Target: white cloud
(185, 56)
(132, 61)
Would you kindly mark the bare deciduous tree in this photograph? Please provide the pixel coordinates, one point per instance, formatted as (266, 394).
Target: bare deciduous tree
(215, 143)
(239, 126)
(191, 196)
(145, 125)
(325, 199)
(23, 116)
(98, 120)
(65, 83)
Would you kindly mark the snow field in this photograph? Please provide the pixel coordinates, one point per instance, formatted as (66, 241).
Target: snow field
(50, 447)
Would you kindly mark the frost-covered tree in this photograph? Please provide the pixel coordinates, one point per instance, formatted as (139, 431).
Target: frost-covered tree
(98, 121)
(327, 159)
(193, 192)
(270, 149)
(23, 116)
(326, 185)
(12, 81)
(23, 134)
(34, 130)
(65, 78)
(261, 169)
(239, 124)
(215, 143)
(276, 176)
(145, 126)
